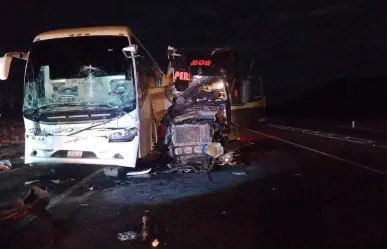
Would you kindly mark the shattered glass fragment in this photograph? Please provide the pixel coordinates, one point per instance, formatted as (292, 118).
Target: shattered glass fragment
(127, 236)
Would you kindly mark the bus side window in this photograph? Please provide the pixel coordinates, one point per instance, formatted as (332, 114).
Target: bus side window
(140, 79)
(145, 74)
(146, 71)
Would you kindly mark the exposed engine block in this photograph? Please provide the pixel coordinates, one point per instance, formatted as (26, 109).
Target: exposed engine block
(188, 139)
(191, 134)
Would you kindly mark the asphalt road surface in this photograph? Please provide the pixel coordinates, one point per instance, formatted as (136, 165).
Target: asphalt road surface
(300, 191)
(370, 130)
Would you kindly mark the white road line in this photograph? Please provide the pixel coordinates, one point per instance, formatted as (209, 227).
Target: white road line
(59, 198)
(321, 153)
(70, 190)
(362, 141)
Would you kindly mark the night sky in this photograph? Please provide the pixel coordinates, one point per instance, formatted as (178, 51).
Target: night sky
(298, 45)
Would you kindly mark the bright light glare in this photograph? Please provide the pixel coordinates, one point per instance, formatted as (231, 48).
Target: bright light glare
(197, 77)
(130, 48)
(217, 85)
(178, 151)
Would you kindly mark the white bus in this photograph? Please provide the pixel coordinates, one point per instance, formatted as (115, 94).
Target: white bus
(86, 97)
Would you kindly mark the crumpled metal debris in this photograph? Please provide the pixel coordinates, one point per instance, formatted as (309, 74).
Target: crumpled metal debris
(4, 168)
(155, 243)
(130, 235)
(5, 165)
(214, 150)
(144, 230)
(239, 173)
(30, 182)
(33, 204)
(184, 168)
(135, 173)
(61, 181)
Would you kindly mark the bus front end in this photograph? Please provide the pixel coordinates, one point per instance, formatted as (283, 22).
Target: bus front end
(80, 104)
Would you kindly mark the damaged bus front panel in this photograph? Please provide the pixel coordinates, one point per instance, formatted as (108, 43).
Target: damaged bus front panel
(81, 99)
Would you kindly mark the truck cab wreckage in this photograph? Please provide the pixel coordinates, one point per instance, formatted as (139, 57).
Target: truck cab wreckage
(197, 128)
(198, 125)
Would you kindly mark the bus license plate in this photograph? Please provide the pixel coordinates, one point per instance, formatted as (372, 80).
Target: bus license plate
(74, 154)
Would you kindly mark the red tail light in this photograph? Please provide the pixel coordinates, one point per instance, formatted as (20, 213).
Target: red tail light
(162, 131)
(247, 139)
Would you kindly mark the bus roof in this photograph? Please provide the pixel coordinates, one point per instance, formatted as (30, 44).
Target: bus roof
(87, 31)
(201, 49)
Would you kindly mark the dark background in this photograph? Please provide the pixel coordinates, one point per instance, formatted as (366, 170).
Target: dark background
(299, 46)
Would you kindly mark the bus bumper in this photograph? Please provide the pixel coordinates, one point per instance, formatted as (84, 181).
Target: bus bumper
(88, 151)
(104, 162)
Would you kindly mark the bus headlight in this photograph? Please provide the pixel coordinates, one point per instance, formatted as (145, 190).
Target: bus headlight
(123, 136)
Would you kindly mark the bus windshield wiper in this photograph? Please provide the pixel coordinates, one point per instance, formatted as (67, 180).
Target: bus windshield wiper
(103, 105)
(57, 105)
(74, 105)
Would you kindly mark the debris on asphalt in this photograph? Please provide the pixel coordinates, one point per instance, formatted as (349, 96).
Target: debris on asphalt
(226, 158)
(30, 182)
(61, 181)
(155, 243)
(134, 173)
(183, 169)
(188, 170)
(4, 168)
(91, 188)
(111, 171)
(139, 176)
(5, 165)
(239, 173)
(127, 236)
(33, 204)
(144, 230)
(214, 150)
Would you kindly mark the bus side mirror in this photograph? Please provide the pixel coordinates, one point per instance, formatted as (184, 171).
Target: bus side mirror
(5, 64)
(131, 48)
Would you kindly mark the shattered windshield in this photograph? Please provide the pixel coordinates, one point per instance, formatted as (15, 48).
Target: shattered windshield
(82, 72)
